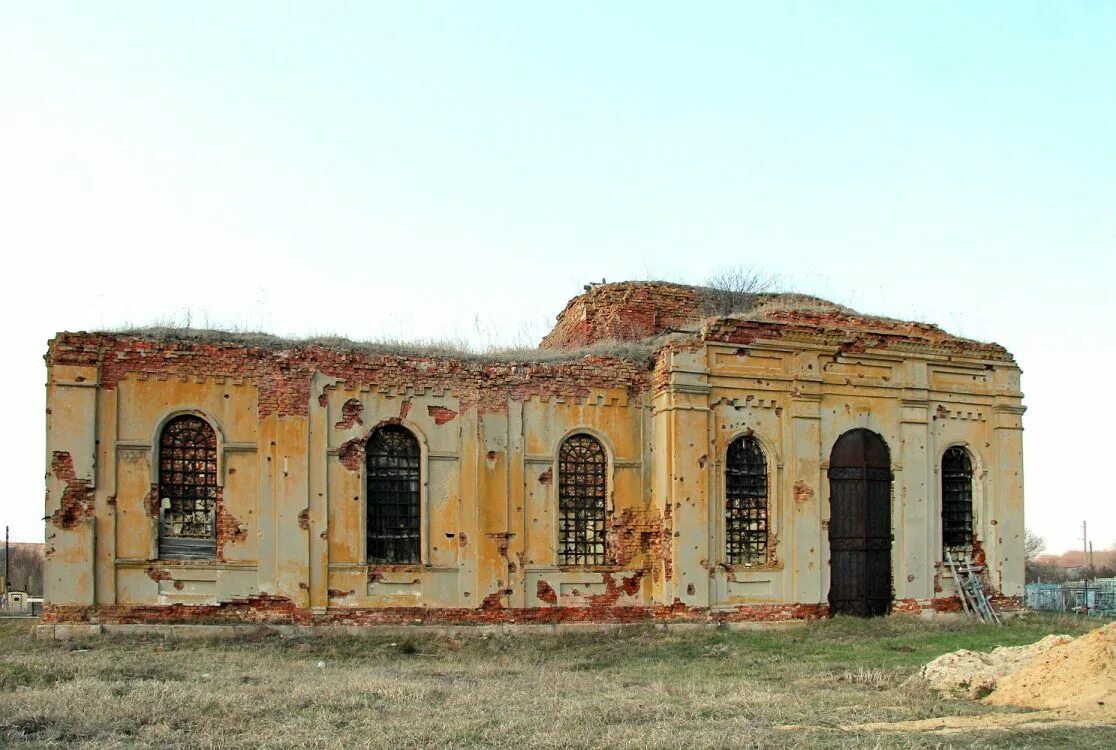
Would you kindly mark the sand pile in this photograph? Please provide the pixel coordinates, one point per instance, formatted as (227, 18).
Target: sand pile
(973, 674)
(1080, 674)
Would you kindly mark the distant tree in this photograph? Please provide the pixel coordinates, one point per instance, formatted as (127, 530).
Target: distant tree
(1033, 545)
(734, 290)
(25, 571)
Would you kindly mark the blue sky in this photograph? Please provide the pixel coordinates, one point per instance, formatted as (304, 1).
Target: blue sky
(452, 170)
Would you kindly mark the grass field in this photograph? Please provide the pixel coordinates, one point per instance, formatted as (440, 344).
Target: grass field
(634, 688)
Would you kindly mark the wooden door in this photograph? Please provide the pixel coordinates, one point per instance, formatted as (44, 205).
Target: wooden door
(860, 525)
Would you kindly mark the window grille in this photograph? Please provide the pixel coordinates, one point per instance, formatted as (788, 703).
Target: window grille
(187, 488)
(746, 515)
(582, 492)
(393, 496)
(957, 499)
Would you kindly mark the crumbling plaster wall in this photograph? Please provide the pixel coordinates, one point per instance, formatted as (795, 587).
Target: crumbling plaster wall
(798, 401)
(292, 479)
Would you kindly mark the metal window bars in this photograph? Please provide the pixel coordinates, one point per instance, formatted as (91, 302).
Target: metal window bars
(392, 456)
(187, 488)
(957, 500)
(746, 507)
(582, 494)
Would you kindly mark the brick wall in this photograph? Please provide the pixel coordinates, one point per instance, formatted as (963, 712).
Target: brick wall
(628, 311)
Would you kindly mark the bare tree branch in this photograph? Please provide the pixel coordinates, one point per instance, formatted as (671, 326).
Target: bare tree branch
(1033, 545)
(729, 291)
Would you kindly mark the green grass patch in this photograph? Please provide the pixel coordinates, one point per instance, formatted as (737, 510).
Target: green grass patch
(634, 687)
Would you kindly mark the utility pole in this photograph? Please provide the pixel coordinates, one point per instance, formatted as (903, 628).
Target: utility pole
(1085, 562)
(7, 560)
(1084, 549)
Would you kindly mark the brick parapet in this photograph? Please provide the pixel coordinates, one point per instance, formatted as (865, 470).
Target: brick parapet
(283, 375)
(849, 334)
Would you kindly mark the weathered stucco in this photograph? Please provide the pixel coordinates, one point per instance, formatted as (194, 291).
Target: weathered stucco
(292, 420)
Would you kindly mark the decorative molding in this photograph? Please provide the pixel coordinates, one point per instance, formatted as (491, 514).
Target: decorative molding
(974, 415)
(135, 562)
(702, 389)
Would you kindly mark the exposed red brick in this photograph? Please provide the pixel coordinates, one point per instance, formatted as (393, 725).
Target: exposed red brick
(351, 454)
(547, 477)
(635, 533)
(1008, 603)
(663, 547)
(849, 333)
(229, 529)
(978, 552)
(441, 414)
(494, 602)
(151, 502)
(280, 610)
(502, 539)
(628, 311)
(350, 414)
(76, 502)
(803, 492)
(545, 593)
(282, 375)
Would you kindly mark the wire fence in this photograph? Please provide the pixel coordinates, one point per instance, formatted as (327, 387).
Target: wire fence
(1096, 597)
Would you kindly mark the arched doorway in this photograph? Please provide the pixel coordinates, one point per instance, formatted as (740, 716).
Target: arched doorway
(860, 525)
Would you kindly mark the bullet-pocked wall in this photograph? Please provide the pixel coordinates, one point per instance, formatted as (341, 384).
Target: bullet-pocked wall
(210, 477)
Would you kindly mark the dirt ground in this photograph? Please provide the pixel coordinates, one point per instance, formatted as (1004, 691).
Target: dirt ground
(1070, 681)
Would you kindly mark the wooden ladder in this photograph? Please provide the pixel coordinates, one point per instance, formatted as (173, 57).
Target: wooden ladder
(969, 587)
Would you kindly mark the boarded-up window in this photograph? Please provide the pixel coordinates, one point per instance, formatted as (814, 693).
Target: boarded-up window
(957, 499)
(582, 492)
(187, 489)
(746, 514)
(393, 496)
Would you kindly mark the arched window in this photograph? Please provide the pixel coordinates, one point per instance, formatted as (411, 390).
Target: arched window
(393, 496)
(746, 520)
(957, 499)
(187, 489)
(582, 492)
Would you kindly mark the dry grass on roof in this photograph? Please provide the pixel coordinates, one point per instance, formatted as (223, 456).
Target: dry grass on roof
(636, 351)
(794, 302)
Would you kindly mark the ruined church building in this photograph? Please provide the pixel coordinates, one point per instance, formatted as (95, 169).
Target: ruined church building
(650, 462)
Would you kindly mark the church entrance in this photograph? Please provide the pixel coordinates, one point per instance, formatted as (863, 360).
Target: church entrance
(860, 525)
